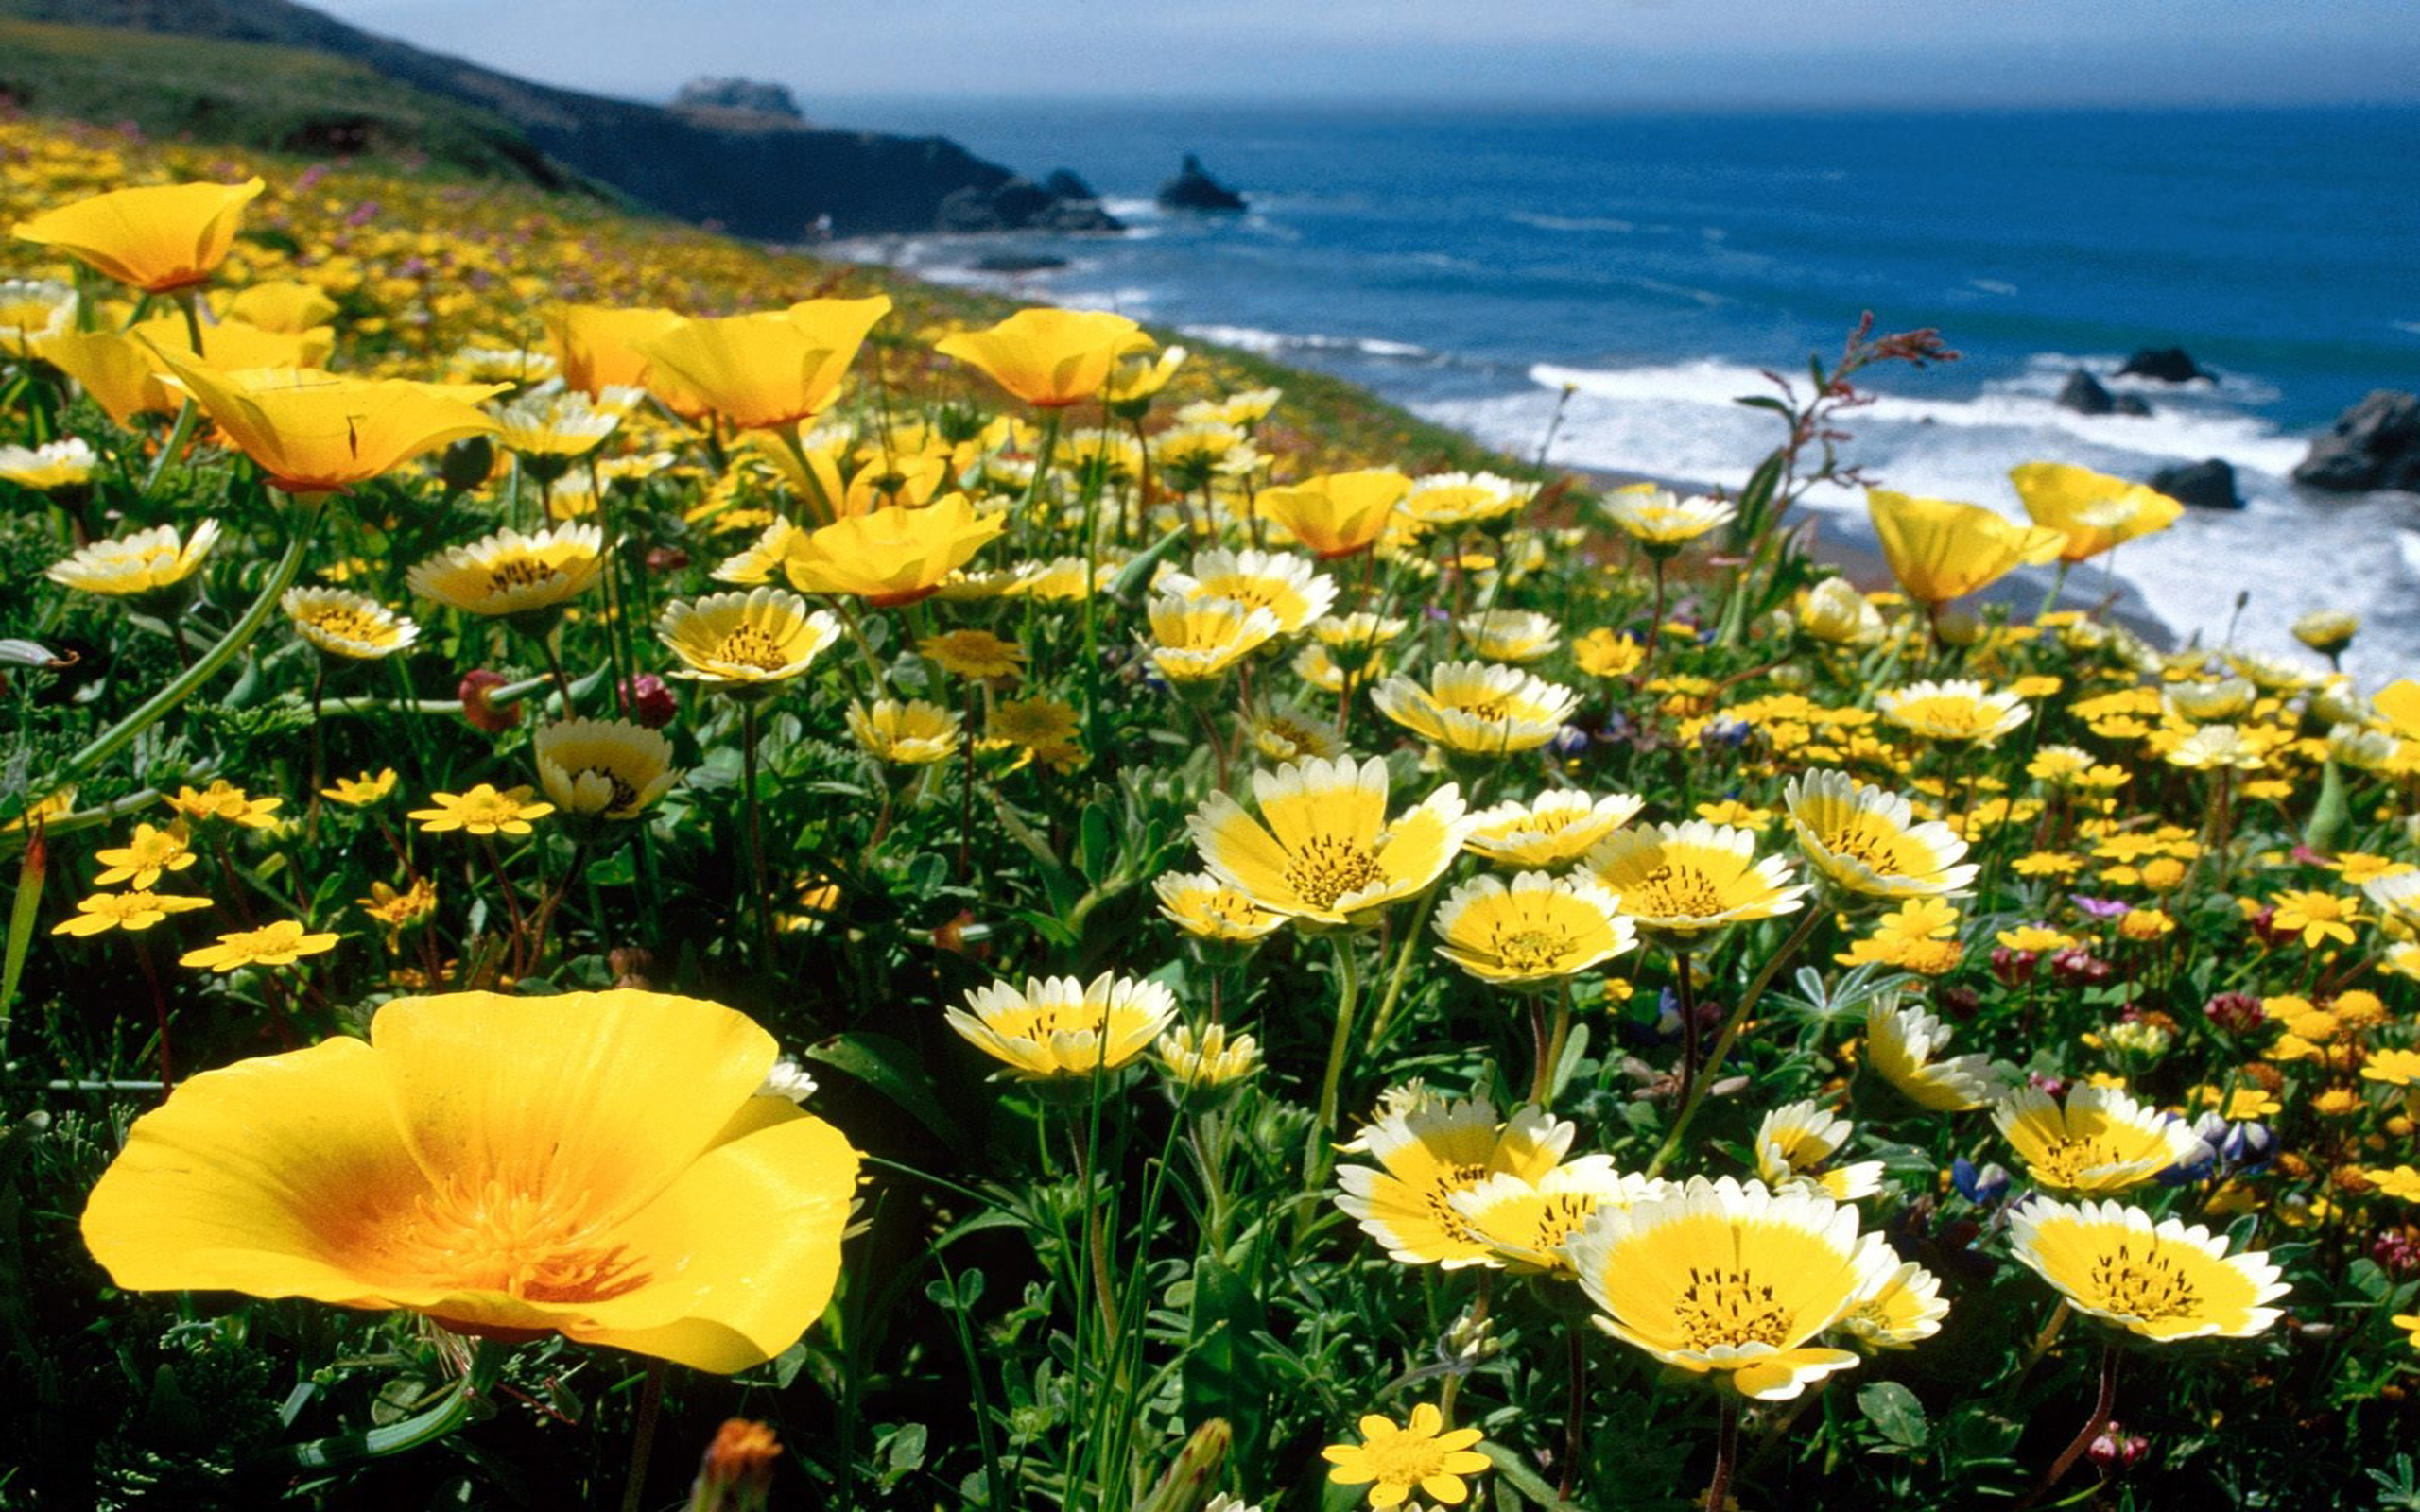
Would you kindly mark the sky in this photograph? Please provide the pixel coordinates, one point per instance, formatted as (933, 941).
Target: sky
(1616, 53)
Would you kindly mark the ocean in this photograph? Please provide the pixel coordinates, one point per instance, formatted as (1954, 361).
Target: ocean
(1470, 265)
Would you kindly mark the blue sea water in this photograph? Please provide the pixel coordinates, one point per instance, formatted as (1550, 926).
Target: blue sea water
(1473, 263)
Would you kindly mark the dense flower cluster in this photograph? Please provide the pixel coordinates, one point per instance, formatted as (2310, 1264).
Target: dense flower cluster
(1335, 940)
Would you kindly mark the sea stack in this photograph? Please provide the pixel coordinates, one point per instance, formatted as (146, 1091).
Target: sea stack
(2376, 445)
(1194, 189)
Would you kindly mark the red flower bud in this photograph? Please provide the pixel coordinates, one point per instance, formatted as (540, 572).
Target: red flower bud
(648, 701)
(476, 708)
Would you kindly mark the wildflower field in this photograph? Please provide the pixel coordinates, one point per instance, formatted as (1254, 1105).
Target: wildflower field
(647, 873)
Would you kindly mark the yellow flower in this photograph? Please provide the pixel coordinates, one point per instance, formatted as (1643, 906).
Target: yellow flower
(315, 432)
(2101, 1141)
(159, 239)
(223, 799)
(2402, 1183)
(1394, 1461)
(1661, 523)
(2093, 510)
(1477, 708)
(915, 734)
(1524, 1225)
(746, 640)
(510, 574)
(118, 372)
(603, 769)
(549, 430)
(1604, 653)
(1865, 839)
(282, 306)
(1538, 930)
(1734, 1279)
(1795, 1140)
(362, 791)
(1207, 1061)
(890, 555)
(136, 566)
(1285, 585)
(483, 810)
(1209, 909)
(767, 371)
(2213, 746)
(2143, 925)
(1198, 639)
(1940, 550)
(279, 944)
(1429, 1151)
(1520, 636)
(1328, 856)
(2162, 1282)
(32, 310)
(1338, 515)
(1555, 830)
(2318, 916)
(133, 911)
(1835, 612)
(1681, 881)
(595, 1164)
(973, 654)
(399, 910)
(1063, 1027)
(1957, 711)
(345, 624)
(1901, 1041)
(599, 347)
(1032, 723)
(1282, 732)
(57, 467)
(1457, 501)
(1905, 1309)
(1047, 357)
(1135, 380)
(2328, 631)
(143, 859)
(2396, 1068)
(236, 346)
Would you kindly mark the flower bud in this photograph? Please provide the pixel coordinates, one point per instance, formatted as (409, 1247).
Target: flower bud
(479, 710)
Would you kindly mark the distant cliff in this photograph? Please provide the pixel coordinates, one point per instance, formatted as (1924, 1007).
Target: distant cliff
(754, 172)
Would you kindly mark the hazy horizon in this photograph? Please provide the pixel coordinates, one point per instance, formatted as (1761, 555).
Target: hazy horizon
(1631, 54)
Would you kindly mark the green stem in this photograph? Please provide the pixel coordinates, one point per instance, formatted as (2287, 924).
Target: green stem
(1348, 976)
(111, 741)
(1809, 921)
(187, 417)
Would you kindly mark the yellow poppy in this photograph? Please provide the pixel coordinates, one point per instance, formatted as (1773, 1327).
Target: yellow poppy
(765, 370)
(158, 238)
(317, 433)
(1940, 550)
(1047, 357)
(596, 1164)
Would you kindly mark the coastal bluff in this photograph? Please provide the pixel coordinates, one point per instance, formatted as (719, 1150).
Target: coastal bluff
(728, 156)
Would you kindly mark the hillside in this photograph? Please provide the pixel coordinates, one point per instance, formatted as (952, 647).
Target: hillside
(255, 94)
(752, 174)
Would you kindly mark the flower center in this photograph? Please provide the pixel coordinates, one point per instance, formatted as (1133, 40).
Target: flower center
(491, 1237)
(624, 794)
(1675, 891)
(1405, 1459)
(2149, 1286)
(517, 572)
(752, 645)
(347, 624)
(1721, 1307)
(1872, 844)
(2066, 1160)
(1449, 1182)
(1326, 867)
(1529, 945)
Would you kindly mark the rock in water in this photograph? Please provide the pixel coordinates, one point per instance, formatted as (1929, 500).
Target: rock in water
(1194, 189)
(2376, 445)
(2083, 394)
(2169, 365)
(746, 94)
(2209, 485)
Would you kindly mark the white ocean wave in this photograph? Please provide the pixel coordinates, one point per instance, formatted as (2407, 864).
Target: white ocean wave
(1278, 343)
(2293, 551)
(1577, 223)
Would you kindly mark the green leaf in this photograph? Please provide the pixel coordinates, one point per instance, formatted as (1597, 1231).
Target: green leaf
(1096, 848)
(1894, 1410)
(1523, 1477)
(890, 1067)
(1226, 1376)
